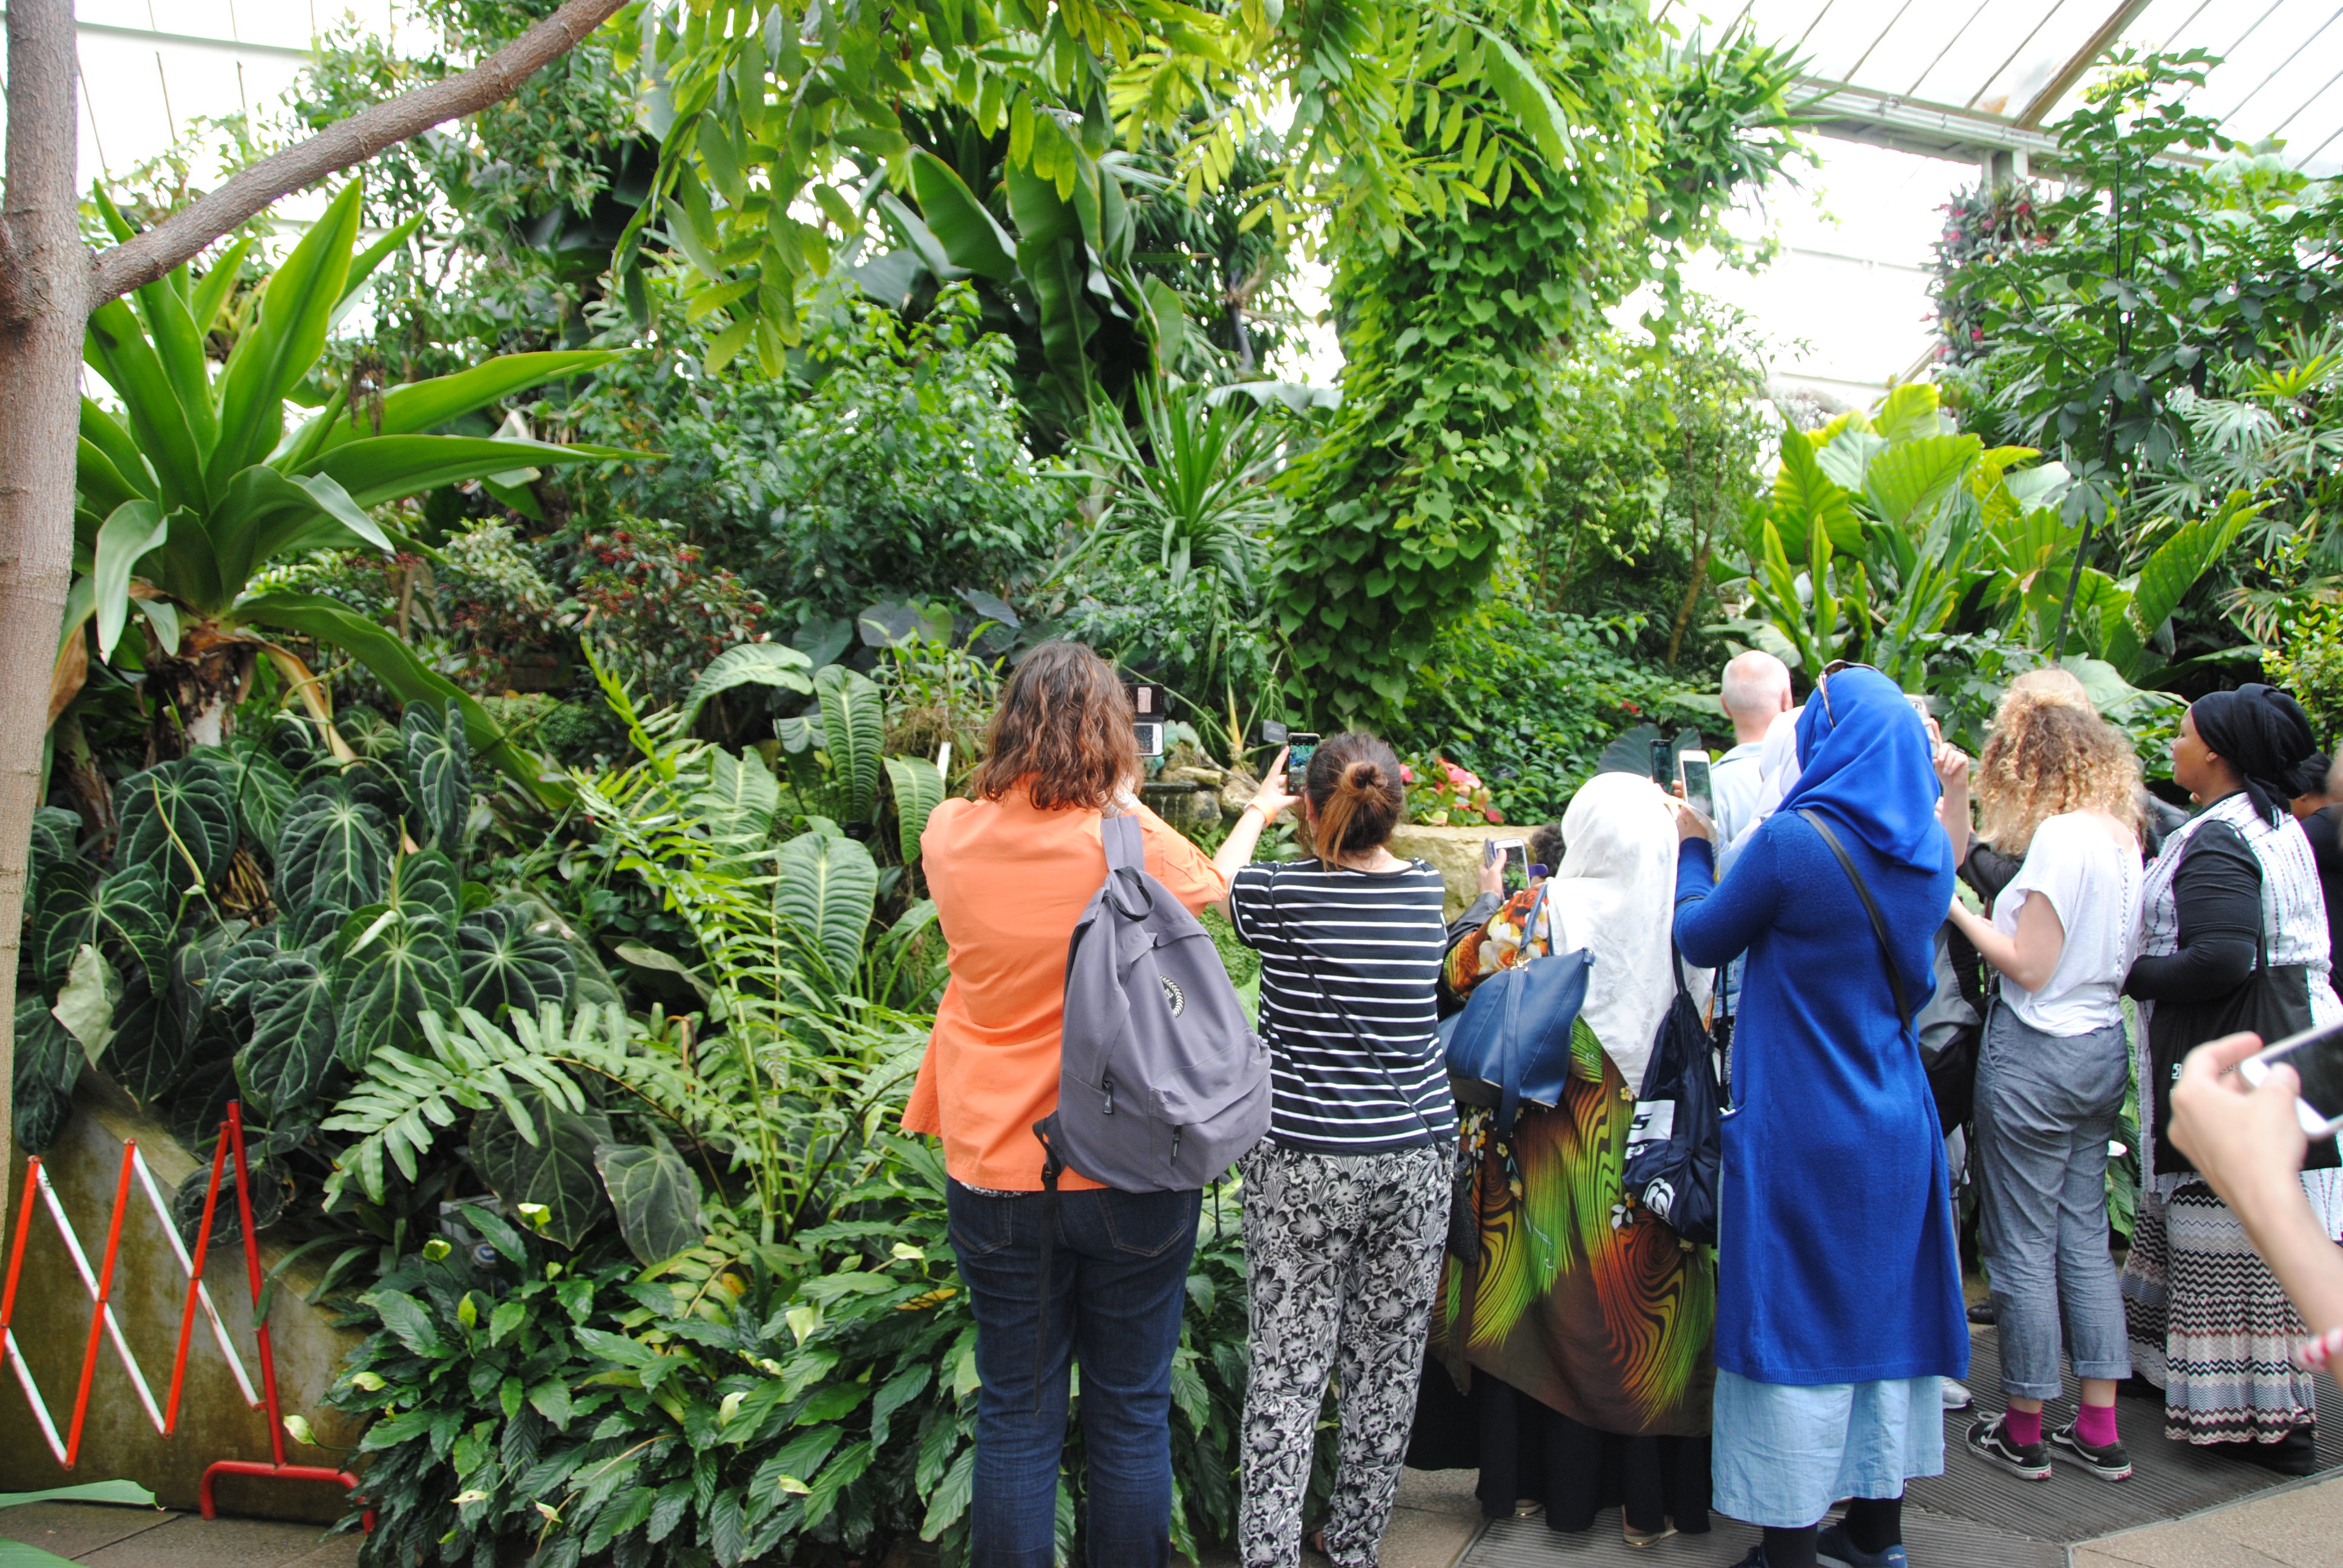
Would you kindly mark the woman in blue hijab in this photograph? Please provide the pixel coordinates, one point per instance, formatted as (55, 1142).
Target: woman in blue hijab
(1838, 1285)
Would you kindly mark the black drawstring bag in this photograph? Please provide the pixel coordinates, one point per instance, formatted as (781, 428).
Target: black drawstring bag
(1672, 1173)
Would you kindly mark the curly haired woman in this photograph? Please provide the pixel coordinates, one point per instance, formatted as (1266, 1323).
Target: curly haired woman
(2059, 786)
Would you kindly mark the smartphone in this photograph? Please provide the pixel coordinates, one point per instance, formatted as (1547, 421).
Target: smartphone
(2316, 1056)
(1515, 854)
(1691, 770)
(1927, 719)
(1150, 737)
(1269, 733)
(1299, 745)
(1663, 768)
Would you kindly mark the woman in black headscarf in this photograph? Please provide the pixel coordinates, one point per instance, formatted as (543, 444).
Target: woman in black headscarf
(2232, 901)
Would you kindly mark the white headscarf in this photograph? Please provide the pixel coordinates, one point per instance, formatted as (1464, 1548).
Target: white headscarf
(1777, 763)
(1615, 897)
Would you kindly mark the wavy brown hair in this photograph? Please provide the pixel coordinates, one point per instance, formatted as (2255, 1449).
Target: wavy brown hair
(2049, 755)
(1355, 795)
(1062, 733)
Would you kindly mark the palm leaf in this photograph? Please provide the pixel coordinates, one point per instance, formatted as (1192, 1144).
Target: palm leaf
(824, 894)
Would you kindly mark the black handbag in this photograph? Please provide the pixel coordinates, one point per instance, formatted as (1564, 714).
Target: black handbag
(1673, 1174)
(2273, 1001)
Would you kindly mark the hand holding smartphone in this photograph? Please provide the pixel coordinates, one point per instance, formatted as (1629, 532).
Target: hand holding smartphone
(2316, 1056)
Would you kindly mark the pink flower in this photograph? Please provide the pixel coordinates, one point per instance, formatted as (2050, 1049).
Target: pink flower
(1406, 774)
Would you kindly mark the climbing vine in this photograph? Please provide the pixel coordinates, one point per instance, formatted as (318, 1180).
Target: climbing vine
(1453, 331)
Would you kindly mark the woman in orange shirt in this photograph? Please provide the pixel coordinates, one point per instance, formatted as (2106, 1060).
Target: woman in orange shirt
(1010, 871)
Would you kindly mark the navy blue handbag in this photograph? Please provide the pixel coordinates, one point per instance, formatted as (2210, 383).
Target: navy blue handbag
(1511, 1041)
(1677, 1147)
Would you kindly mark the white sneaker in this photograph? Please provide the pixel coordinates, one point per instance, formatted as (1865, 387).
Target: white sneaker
(1957, 1395)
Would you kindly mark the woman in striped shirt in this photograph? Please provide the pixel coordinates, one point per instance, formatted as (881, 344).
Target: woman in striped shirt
(1346, 1203)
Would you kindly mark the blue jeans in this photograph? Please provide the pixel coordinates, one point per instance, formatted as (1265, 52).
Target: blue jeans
(2046, 1106)
(1119, 1281)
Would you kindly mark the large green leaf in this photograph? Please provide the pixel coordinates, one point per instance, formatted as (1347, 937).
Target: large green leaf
(103, 434)
(116, 348)
(555, 1174)
(741, 798)
(657, 1198)
(504, 963)
(286, 334)
(1908, 412)
(255, 781)
(149, 1055)
(437, 766)
(422, 406)
(967, 232)
(103, 485)
(55, 841)
(919, 790)
(331, 850)
(177, 822)
(48, 1063)
(2168, 576)
(751, 663)
(394, 664)
(179, 346)
(1805, 496)
(1527, 99)
(1050, 255)
(218, 282)
(290, 1056)
(824, 894)
(399, 967)
(268, 518)
(427, 885)
(127, 916)
(134, 530)
(853, 729)
(1909, 480)
(378, 468)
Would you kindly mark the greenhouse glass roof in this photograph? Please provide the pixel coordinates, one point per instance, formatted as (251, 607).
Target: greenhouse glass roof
(1968, 78)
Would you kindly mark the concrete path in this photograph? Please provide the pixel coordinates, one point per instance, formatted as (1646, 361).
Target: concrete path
(2299, 1526)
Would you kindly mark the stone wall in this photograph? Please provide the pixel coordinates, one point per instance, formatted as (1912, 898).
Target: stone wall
(52, 1322)
(1455, 853)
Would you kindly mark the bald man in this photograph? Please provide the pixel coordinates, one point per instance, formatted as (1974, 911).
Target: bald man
(1755, 688)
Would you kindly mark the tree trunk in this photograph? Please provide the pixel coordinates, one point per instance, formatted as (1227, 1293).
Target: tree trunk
(43, 295)
(1692, 594)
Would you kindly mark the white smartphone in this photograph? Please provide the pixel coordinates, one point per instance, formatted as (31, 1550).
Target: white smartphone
(2316, 1056)
(1692, 771)
(1515, 854)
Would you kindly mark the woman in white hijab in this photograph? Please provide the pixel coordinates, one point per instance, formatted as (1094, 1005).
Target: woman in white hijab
(1580, 1323)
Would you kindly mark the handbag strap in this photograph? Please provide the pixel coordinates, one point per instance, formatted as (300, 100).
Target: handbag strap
(1879, 926)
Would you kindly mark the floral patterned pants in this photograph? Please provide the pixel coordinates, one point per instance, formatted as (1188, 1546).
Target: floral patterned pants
(1342, 1256)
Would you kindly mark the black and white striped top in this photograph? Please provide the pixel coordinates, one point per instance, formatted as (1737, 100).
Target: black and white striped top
(1365, 944)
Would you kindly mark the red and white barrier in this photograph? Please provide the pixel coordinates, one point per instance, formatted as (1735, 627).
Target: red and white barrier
(100, 1285)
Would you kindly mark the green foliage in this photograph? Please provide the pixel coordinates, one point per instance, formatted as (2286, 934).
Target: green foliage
(1527, 698)
(1437, 460)
(195, 487)
(791, 1405)
(2310, 666)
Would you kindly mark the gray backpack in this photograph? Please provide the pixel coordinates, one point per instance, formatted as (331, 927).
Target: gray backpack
(1162, 1083)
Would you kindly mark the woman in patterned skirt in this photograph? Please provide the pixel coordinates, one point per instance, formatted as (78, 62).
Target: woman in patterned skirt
(2236, 886)
(1582, 1323)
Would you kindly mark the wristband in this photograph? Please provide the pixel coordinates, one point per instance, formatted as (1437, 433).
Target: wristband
(2319, 1350)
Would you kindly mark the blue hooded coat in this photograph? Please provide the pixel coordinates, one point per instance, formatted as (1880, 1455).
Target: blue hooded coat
(1836, 1259)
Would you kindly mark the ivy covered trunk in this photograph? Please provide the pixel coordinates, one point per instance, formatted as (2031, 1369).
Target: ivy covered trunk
(43, 284)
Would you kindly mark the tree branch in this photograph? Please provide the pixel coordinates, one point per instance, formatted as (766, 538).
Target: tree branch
(148, 256)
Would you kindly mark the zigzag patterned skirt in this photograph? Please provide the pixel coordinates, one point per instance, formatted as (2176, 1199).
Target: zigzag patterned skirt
(2207, 1321)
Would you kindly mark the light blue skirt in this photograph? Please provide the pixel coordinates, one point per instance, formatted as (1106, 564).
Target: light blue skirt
(1784, 1453)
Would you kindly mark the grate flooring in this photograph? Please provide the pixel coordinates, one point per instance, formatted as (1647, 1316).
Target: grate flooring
(1972, 1516)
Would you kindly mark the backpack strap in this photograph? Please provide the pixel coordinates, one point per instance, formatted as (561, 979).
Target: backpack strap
(1879, 926)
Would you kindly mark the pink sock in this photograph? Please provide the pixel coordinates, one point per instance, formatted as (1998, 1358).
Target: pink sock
(2096, 1424)
(2023, 1427)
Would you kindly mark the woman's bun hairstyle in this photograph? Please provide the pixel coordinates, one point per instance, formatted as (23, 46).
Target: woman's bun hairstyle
(1356, 797)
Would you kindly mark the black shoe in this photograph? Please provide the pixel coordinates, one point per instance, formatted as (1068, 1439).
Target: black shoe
(1984, 1312)
(1832, 1548)
(1990, 1443)
(2296, 1454)
(2108, 1463)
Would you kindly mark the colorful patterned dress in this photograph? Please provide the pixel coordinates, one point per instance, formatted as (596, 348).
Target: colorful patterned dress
(1577, 1297)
